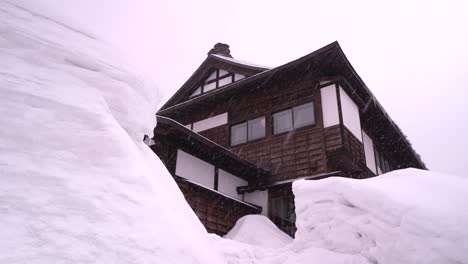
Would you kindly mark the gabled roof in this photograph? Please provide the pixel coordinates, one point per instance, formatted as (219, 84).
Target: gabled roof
(213, 61)
(329, 60)
(259, 77)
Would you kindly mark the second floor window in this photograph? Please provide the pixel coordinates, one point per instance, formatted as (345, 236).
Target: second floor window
(248, 131)
(292, 118)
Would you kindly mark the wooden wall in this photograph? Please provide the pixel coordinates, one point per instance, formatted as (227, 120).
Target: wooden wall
(216, 212)
(219, 134)
(333, 138)
(294, 154)
(354, 146)
(167, 153)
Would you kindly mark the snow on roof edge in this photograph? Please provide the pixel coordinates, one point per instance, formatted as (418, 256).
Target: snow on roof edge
(246, 63)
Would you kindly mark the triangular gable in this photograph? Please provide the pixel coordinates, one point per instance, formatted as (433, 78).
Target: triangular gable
(212, 74)
(217, 78)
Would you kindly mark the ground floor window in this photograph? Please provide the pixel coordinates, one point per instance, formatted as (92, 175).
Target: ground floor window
(382, 162)
(282, 209)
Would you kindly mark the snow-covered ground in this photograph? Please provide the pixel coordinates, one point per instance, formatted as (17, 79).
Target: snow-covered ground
(258, 230)
(406, 216)
(77, 184)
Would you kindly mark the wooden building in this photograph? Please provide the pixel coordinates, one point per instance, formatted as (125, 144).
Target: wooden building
(236, 135)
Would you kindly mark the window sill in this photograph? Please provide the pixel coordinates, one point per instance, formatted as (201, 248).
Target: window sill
(249, 142)
(295, 130)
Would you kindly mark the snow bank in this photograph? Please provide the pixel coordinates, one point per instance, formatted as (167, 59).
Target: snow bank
(259, 231)
(77, 185)
(406, 216)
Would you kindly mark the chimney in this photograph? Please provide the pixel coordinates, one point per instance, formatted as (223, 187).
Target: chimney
(220, 49)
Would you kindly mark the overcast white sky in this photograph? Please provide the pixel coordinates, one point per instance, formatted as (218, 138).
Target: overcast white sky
(412, 55)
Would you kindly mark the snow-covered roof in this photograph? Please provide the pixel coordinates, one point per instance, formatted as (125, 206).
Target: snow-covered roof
(255, 207)
(241, 62)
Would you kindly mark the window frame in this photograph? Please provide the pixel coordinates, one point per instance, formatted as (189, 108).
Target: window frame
(292, 118)
(246, 122)
(246, 133)
(382, 162)
(282, 209)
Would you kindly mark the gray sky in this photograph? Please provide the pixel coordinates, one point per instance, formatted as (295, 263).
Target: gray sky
(412, 55)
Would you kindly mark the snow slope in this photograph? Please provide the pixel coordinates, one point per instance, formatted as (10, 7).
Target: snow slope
(258, 230)
(406, 216)
(77, 185)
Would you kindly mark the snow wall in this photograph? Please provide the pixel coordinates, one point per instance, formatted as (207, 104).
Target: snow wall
(405, 216)
(77, 184)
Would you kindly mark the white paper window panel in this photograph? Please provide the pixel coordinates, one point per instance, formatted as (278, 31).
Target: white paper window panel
(189, 126)
(222, 72)
(225, 81)
(210, 122)
(197, 91)
(350, 114)
(211, 77)
(209, 87)
(329, 106)
(259, 198)
(369, 152)
(195, 169)
(238, 77)
(228, 183)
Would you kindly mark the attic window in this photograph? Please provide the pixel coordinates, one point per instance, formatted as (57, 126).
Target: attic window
(197, 91)
(238, 77)
(218, 78)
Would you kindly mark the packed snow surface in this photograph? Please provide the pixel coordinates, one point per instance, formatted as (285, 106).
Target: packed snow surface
(77, 184)
(258, 230)
(406, 216)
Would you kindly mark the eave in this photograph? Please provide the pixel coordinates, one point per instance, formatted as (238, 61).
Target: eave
(210, 151)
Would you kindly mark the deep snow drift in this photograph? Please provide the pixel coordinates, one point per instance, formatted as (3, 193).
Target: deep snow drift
(406, 216)
(77, 185)
(258, 230)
